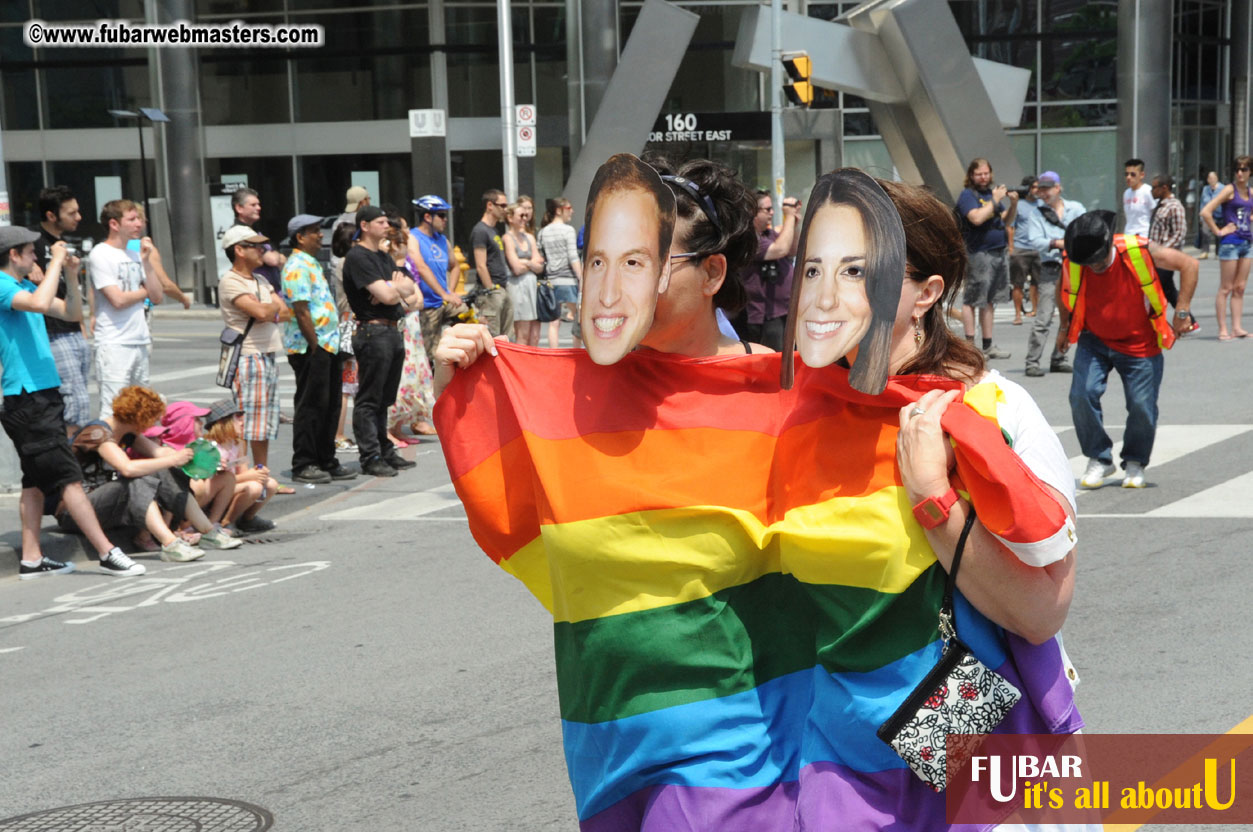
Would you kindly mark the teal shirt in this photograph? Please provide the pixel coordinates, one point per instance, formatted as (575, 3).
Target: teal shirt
(24, 349)
(303, 281)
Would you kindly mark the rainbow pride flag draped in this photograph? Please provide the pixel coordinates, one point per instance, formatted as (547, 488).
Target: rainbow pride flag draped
(740, 593)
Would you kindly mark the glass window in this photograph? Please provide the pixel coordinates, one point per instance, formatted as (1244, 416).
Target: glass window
(1080, 16)
(93, 11)
(474, 66)
(473, 172)
(1023, 146)
(706, 81)
(1088, 164)
(1079, 115)
(19, 108)
(81, 91)
(271, 178)
(25, 179)
(994, 17)
(871, 155)
(238, 7)
(367, 68)
(83, 177)
(551, 83)
(244, 90)
(1079, 68)
(325, 179)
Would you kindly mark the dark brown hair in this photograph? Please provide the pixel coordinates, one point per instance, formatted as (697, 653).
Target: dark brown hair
(933, 245)
(1242, 161)
(624, 172)
(885, 263)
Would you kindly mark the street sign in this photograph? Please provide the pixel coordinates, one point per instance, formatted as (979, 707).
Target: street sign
(526, 115)
(427, 124)
(526, 140)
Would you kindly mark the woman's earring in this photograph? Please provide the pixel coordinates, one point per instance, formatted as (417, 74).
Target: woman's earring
(918, 336)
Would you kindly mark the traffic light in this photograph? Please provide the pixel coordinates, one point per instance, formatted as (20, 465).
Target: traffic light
(798, 90)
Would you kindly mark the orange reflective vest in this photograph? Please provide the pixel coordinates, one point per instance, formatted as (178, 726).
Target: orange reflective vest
(1134, 253)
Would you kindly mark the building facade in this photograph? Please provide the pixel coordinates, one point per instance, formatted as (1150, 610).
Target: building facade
(302, 125)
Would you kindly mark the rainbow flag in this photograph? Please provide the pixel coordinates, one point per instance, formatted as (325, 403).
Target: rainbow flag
(740, 592)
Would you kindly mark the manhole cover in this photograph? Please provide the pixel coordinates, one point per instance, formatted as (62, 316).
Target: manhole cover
(147, 814)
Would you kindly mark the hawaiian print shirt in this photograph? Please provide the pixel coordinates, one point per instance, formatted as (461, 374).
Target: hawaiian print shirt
(303, 280)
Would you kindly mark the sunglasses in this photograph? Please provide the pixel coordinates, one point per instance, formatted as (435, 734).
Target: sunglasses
(501, 204)
(1242, 169)
(251, 245)
(443, 215)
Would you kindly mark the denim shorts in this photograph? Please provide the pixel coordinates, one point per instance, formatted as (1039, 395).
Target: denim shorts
(1235, 251)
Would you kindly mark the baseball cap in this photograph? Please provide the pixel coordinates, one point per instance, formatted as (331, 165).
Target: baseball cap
(354, 196)
(1049, 177)
(221, 409)
(13, 236)
(237, 234)
(1089, 237)
(368, 213)
(301, 221)
(178, 425)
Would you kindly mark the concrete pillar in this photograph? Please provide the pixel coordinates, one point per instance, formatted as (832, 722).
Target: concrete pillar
(1144, 47)
(1241, 70)
(592, 48)
(180, 151)
(432, 168)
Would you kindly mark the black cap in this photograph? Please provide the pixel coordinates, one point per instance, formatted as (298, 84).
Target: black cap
(1089, 237)
(368, 213)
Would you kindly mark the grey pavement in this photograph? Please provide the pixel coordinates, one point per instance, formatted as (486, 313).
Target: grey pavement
(367, 667)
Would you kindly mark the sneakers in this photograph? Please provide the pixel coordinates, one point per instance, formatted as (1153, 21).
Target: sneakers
(1061, 366)
(46, 566)
(995, 352)
(180, 551)
(339, 472)
(346, 445)
(399, 462)
(1034, 371)
(377, 468)
(253, 524)
(1134, 476)
(218, 539)
(311, 473)
(1097, 471)
(116, 563)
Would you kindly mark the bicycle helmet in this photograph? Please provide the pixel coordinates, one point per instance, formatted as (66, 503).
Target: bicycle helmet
(431, 203)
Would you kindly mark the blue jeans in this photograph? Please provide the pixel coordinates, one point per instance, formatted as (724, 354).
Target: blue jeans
(1141, 381)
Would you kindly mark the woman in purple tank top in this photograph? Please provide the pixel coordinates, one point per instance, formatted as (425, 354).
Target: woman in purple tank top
(1235, 247)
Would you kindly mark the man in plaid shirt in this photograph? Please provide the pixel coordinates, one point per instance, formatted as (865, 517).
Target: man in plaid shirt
(1167, 227)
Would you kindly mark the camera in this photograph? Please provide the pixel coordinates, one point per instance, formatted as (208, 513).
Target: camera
(1021, 190)
(769, 271)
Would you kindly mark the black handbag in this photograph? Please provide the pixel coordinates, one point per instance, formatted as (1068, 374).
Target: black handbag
(232, 345)
(546, 307)
(960, 699)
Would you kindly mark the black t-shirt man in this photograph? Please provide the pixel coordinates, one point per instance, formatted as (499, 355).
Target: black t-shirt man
(55, 326)
(361, 268)
(485, 237)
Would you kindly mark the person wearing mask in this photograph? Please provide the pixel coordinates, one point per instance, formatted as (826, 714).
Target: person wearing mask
(376, 292)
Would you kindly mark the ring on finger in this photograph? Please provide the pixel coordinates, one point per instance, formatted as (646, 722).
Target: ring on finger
(917, 411)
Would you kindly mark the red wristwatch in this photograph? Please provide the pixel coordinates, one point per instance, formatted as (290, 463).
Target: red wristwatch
(933, 511)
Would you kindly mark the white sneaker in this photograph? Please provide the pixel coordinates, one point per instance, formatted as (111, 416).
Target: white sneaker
(116, 563)
(1097, 471)
(180, 551)
(1134, 478)
(216, 538)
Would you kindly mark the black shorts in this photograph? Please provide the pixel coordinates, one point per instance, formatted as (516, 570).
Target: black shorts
(35, 422)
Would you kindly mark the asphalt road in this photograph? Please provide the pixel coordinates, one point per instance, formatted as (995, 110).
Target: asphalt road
(366, 667)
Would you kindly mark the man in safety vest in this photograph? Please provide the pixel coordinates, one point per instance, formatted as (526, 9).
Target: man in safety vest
(1119, 321)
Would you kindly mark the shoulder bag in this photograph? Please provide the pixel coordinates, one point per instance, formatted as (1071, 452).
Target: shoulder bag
(232, 345)
(960, 699)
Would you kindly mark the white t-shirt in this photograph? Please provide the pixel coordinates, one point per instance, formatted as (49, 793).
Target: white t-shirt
(110, 266)
(1038, 446)
(1137, 207)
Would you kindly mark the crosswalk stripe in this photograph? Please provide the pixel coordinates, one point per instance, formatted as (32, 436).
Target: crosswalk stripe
(404, 507)
(1176, 441)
